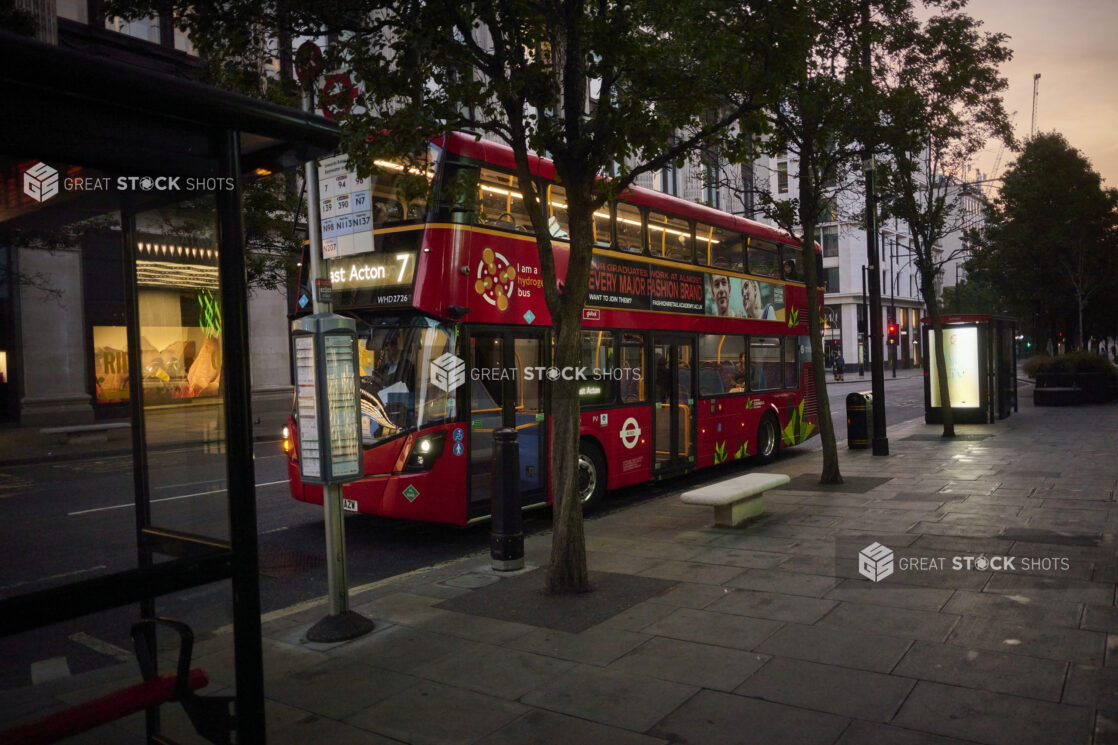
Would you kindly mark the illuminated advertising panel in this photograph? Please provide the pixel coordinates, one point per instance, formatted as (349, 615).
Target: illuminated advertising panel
(963, 371)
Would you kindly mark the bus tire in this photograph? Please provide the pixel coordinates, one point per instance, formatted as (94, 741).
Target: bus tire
(591, 476)
(768, 439)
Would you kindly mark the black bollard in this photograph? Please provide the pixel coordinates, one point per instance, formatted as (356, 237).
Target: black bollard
(506, 540)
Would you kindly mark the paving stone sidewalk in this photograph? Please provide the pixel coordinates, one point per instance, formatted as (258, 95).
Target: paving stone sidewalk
(765, 634)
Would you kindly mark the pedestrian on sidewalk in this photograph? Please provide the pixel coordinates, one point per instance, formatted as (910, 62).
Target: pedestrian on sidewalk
(840, 366)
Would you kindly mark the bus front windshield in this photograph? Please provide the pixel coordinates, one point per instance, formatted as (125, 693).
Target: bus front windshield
(398, 392)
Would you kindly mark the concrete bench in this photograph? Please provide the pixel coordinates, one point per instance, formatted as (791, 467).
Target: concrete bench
(98, 432)
(738, 499)
(1057, 396)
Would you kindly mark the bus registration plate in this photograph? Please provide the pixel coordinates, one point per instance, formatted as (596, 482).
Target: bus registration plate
(349, 505)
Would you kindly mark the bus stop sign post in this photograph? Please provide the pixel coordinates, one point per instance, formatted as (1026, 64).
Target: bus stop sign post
(327, 408)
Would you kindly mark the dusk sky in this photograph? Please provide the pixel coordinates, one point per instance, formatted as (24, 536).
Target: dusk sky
(1072, 44)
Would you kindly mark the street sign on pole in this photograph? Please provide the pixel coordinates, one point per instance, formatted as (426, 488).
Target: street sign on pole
(342, 624)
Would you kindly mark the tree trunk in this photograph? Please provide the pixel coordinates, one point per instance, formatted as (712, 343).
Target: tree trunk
(568, 571)
(831, 473)
(1079, 308)
(927, 289)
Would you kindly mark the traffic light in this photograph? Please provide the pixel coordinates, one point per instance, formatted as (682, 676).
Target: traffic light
(893, 334)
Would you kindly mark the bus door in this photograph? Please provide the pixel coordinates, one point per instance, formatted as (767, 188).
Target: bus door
(505, 391)
(673, 413)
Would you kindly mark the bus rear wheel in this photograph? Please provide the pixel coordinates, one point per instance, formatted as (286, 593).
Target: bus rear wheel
(767, 439)
(591, 475)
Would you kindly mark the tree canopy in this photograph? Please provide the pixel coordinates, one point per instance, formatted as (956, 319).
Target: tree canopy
(1049, 245)
(608, 91)
(816, 125)
(941, 92)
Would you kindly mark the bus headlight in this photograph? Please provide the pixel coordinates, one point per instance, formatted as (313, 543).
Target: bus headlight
(424, 451)
(287, 439)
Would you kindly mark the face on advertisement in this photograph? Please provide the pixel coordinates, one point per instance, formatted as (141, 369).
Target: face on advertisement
(720, 285)
(751, 298)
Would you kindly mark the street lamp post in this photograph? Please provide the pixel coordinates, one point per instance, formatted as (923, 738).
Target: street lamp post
(893, 304)
(880, 442)
(864, 331)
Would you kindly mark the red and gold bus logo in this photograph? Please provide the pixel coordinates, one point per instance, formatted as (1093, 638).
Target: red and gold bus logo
(495, 279)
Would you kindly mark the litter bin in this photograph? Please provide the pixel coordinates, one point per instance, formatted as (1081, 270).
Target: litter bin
(859, 420)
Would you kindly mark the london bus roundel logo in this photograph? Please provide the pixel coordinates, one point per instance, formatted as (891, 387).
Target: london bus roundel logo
(630, 433)
(495, 279)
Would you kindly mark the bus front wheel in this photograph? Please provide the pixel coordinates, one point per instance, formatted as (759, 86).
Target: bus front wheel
(591, 475)
(766, 439)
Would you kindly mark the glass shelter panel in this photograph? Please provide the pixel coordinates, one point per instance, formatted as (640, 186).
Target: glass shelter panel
(124, 337)
(179, 315)
(68, 514)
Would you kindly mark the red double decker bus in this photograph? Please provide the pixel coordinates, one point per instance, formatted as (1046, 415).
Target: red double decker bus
(694, 344)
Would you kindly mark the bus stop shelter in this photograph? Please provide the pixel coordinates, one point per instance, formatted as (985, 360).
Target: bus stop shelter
(981, 359)
(123, 275)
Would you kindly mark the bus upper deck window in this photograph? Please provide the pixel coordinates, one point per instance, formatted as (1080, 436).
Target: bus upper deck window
(669, 237)
(791, 266)
(398, 191)
(502, 205)
(725, 250)
(601, 224)
(764, 259)
(557, 222)
(628, 224)
(702, 243)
